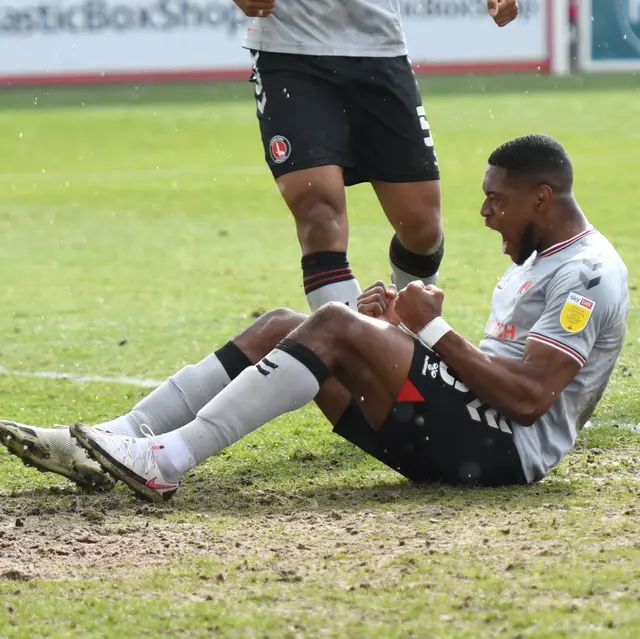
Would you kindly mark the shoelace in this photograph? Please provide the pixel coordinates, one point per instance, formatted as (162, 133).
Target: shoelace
(132, 451)
(151, 440)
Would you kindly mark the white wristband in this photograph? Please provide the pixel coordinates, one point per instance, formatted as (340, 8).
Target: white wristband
(432, 333)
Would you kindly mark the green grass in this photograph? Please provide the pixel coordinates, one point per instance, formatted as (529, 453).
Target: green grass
(189, 93)
(142, 230)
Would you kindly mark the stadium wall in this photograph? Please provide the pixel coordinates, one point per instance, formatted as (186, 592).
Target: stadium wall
(116, 41)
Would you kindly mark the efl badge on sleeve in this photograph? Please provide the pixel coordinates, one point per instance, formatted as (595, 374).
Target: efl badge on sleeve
(576, 312)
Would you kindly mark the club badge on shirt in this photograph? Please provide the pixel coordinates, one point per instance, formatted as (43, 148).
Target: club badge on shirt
(576, 312)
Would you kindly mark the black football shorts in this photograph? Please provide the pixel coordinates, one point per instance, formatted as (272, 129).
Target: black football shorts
(439, 431)
(363, 114)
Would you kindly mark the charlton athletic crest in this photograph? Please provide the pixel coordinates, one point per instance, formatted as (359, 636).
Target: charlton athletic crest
(525, 287)
(280, 149)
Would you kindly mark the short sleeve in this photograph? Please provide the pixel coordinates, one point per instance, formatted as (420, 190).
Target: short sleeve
(576, 311)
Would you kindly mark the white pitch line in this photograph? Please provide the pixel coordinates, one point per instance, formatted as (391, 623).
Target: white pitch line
(154, 383)
(634, 428)
(83, 379)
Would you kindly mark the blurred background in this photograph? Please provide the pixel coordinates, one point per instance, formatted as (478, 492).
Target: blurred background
(71, 41)
(141, 225)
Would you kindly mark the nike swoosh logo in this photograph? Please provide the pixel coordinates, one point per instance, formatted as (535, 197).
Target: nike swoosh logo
(152, 484)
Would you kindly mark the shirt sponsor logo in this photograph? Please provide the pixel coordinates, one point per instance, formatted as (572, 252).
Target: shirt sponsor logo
(503, 331)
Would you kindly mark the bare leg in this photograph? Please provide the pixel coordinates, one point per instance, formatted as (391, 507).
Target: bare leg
(413, 208)
(316, 198)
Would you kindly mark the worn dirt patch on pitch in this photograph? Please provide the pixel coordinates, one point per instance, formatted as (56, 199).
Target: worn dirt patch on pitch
(68, 549)
(36, 544)
(54, 534)
(66, 535)
(62, 533)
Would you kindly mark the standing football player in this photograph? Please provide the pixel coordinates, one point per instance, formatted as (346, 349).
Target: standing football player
(338, 104)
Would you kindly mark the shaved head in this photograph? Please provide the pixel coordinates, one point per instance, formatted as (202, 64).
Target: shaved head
(535, 159)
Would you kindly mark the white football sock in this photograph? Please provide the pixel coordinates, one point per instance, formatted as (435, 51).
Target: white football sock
(402, 279)
(345, 292)
(176, 401)
(278, 384)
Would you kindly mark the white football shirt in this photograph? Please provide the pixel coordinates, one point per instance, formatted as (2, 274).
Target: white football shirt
(572, 297)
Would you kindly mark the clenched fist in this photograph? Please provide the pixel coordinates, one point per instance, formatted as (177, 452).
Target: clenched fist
(418, 304)
(503, 11)
(379, 300)
(256, 8)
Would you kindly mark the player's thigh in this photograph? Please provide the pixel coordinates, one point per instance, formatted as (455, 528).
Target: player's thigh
(301, 113)
(392, 136)
(333, 399)
(370, 357)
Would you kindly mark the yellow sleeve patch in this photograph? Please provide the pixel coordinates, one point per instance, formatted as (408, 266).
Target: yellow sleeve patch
(576, 312)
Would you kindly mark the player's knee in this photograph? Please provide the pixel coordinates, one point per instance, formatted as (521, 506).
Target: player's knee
(267, 331)
(281, 321)
(334, 319)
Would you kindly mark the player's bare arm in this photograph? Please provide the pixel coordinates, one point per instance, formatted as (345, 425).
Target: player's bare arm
(256, 8)
(503, 11)
(520, 389)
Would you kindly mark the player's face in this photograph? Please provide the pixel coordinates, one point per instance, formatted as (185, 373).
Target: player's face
(510, 209)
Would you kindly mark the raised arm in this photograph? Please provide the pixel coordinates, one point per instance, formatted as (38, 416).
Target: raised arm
(256, 8)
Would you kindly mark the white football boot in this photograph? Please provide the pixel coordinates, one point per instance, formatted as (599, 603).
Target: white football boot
(53, 450)
(129, 459)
